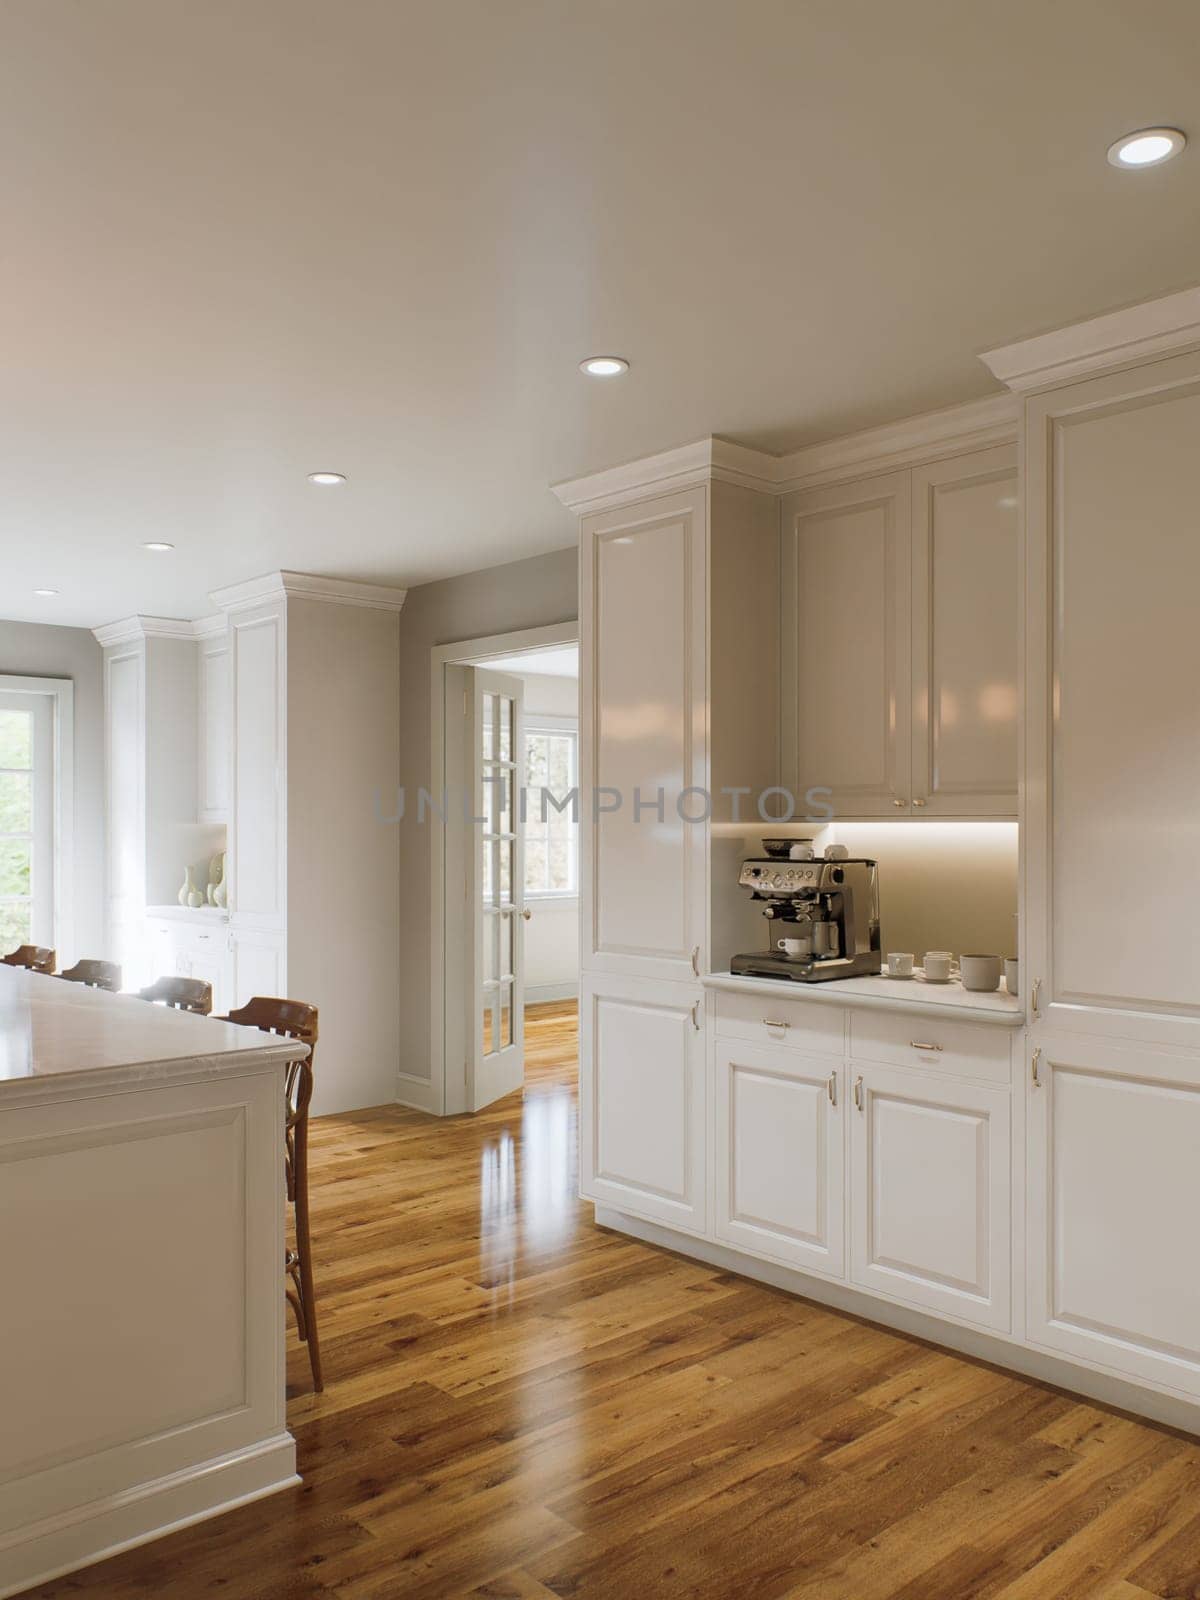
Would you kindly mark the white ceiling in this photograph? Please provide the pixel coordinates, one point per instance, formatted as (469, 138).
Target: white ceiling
(246, 239)
(557, 661)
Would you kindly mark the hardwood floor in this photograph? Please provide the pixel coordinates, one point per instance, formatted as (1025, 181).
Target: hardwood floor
(521, 1405)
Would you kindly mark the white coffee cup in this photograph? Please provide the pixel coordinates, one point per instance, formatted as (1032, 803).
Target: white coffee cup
(794, 947)
(981, 973)
(939, 966)
(802, 850)
(900, 963)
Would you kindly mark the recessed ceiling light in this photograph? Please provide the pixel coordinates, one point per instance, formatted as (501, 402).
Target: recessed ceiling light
(46, 594)
(604, 366)
(157, 544)
(327, 477)
(1147, 147)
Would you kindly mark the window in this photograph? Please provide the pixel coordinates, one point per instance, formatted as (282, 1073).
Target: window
(552, 842)
(34, 717)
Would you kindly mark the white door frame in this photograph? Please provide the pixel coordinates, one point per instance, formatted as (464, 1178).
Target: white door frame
(61, 693)
(447, 983)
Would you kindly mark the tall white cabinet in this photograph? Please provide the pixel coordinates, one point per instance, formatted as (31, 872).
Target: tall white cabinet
(654, 741)
(1112, 876)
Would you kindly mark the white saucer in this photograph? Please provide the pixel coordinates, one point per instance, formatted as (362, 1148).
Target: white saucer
(902, 977)
(920, 973)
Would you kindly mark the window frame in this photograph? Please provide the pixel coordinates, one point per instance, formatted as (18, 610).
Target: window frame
(552, 723)
(61, 694)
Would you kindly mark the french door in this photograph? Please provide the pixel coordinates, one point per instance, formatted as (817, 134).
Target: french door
(497, 888)
(27, 888)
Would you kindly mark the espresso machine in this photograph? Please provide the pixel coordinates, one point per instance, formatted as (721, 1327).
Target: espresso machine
(822, 914)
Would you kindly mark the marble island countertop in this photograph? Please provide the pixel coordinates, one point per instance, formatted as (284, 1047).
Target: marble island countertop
(908, 995)
(60, 1039)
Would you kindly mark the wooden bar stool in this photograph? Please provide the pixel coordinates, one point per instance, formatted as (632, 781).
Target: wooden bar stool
(294, 1020)
(96, 974)
(35, 957)
(184, 994)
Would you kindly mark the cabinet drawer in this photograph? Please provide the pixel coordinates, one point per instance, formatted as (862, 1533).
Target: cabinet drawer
(972, 1049)
(775, 1019)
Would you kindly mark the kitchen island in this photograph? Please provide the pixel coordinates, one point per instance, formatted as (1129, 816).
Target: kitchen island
(141, 1259)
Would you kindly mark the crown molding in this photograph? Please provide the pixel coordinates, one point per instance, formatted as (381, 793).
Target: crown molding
(214, 627)
(932, 435)
(929, 436)
(130, 628)
(1153, 328)
(304, 586)
(681, 468)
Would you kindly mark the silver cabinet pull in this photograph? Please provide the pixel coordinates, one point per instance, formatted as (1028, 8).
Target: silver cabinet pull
(696, 960)
(920, 1044)
(696, 1016)
(1034, 1064)
(768, 1022)
(832, 1087)
(858, 1094)
(1033, 998)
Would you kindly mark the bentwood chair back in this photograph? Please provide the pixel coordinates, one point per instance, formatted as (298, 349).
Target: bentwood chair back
(184, 994)
(96, 974)
(294, 1019)
(34, 957)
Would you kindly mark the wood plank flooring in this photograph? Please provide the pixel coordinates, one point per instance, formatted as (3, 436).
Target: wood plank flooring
(520, 1405)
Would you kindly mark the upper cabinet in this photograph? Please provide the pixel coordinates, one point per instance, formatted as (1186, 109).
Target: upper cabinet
(965, 609)
(900, 626)
(845, 638)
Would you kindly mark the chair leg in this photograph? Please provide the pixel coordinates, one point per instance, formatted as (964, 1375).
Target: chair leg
(304, 1252)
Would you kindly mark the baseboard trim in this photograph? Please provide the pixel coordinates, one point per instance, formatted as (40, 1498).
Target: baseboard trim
(418, 1094)
(537, 994)
(1013, 1355)
(84, 1535)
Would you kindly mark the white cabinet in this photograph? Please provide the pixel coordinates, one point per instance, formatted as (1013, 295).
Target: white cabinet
(930, 1191)
(192, 946)
(213, 728)
(1114, 1189)
(642, 1101)
(1112, 715)
(258, 819)
(846, 553)
(779, 1154)
(901, 617)
(643, 746)
(965, 612)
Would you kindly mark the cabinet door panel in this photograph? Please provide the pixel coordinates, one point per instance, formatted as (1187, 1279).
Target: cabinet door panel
(931, 1192)
(1114, 1187)
(846, 644)
(779, 1155)
(964, 633)
(643, 723)
(641, 1086)
(214, 683)
(257, 838)
(1112, 714)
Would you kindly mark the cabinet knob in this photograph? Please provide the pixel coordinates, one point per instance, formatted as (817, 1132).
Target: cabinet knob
(526, 913)
(919, 802)
(899, 803)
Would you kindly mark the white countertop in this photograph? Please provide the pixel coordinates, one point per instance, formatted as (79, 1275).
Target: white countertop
(188, 913)
(56, 1036)
(910, 995)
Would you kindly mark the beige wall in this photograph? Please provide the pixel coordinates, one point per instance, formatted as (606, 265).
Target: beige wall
(942, 885)
(343, 925)
(552, 932)
(523, 594)
(40, 650)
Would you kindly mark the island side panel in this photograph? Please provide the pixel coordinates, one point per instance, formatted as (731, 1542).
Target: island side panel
(142, 1369)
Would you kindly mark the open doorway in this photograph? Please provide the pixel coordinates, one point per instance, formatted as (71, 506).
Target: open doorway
(506, 854)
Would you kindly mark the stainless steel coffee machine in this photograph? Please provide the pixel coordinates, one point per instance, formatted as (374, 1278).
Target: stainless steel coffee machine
(822, 914)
